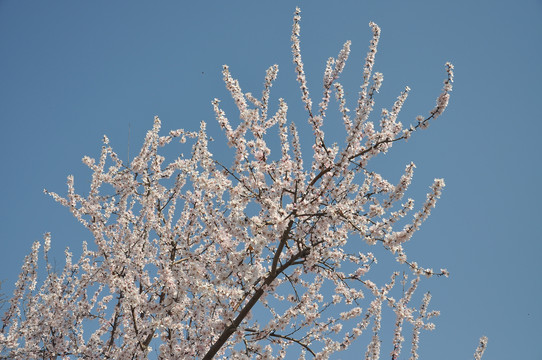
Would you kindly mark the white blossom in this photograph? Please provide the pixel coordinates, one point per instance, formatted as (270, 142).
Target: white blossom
(193, 258)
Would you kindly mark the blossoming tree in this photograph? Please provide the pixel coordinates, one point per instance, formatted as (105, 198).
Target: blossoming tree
(199, 259)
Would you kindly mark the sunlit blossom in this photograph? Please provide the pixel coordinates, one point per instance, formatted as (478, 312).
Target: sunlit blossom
(193, 258)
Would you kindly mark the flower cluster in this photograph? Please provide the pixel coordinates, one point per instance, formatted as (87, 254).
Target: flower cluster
(260, 258)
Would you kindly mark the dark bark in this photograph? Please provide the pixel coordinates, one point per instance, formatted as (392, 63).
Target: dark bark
(230, 329)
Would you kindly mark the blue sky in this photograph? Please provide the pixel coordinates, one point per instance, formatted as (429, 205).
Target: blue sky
(72, 71)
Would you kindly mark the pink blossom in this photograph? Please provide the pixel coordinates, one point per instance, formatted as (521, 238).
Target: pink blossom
(193, 258)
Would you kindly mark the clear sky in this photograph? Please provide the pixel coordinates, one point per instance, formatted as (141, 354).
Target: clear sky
(71, 71)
